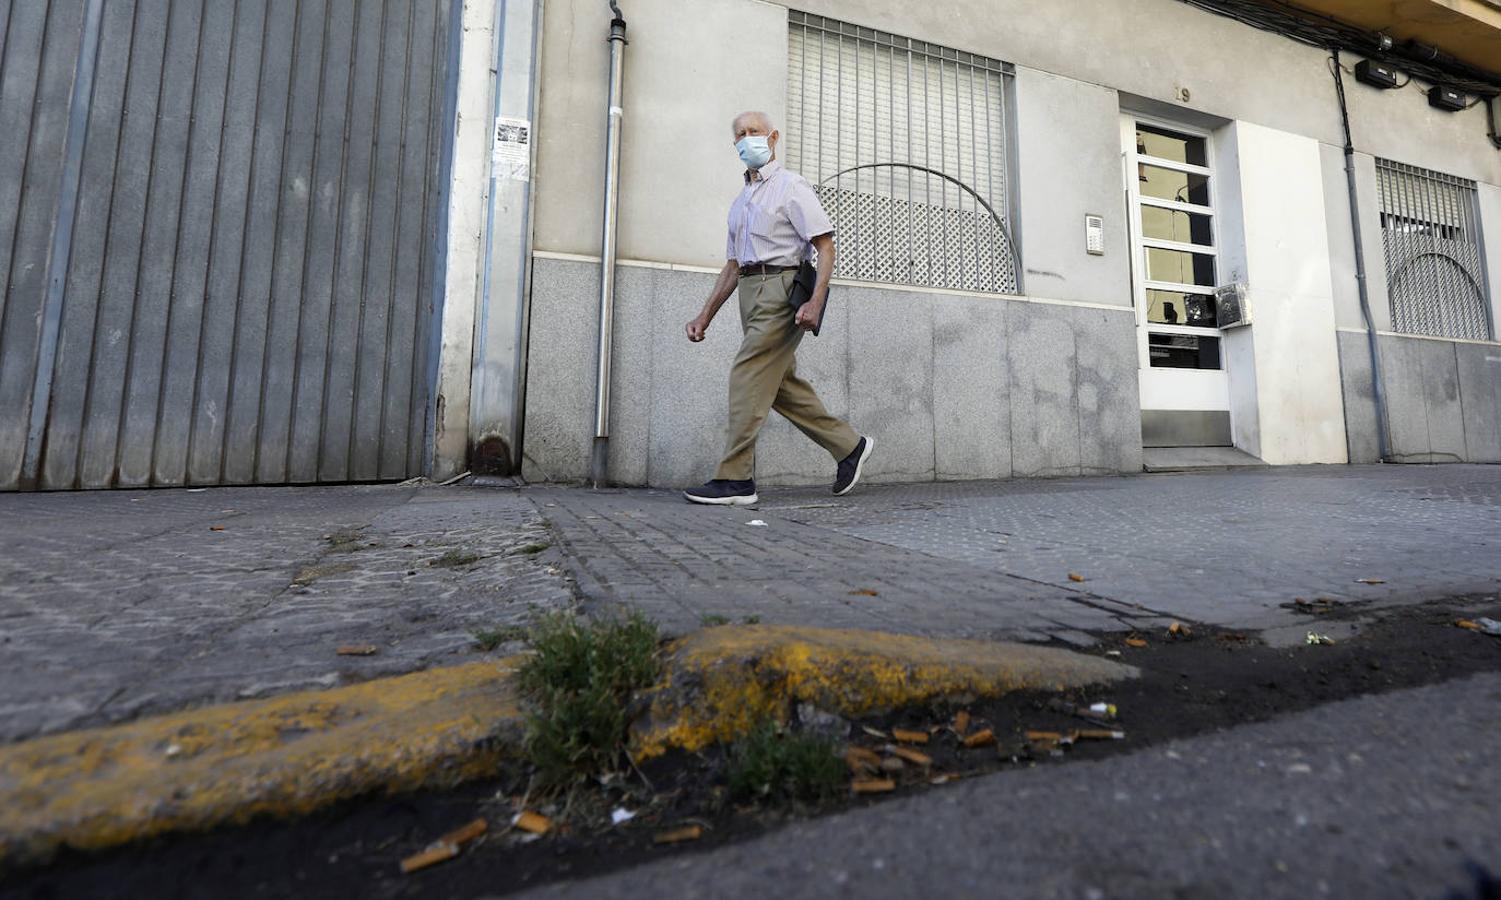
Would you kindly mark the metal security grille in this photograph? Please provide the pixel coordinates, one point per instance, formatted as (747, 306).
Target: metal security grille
(907, 144)
(1435, 269)
(218, 239)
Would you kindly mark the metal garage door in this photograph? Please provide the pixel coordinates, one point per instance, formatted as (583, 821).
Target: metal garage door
(219, 238)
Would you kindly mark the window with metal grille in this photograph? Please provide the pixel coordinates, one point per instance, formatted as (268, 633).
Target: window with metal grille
(1435, 273)
(907, 145)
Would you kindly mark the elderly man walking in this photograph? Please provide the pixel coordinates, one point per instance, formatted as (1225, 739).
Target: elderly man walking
(775, 224)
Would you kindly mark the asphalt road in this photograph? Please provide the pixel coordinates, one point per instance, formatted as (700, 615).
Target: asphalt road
(1382, 796)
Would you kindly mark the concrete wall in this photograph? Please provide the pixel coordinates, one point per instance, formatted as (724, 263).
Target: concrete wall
(1291, 296)
(688, 71)
(951, 385)
(468, 201)
(1443, 399)
(1069, 166)
(1430, 417)
(689, 68)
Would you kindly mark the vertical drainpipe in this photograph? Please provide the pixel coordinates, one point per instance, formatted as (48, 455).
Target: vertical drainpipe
(600, 458)
(1378, 383)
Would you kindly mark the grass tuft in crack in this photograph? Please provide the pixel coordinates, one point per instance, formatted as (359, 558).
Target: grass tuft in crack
(782, 767)
(712, 620)
(580, 682)
(488, 639)
(456, 558)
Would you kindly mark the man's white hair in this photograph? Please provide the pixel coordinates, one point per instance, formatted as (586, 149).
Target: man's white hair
(761, 117)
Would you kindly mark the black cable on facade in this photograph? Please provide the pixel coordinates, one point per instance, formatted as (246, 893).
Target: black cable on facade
(1426, 63)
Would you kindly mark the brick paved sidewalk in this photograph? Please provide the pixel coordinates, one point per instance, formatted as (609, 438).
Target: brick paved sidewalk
(994, 559)
(118, 604)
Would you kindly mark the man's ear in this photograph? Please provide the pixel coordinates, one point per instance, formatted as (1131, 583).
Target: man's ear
(774, 137)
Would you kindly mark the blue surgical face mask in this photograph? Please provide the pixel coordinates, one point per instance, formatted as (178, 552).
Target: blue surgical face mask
(754, 150)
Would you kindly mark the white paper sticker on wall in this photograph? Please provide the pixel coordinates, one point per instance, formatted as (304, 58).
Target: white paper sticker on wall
(512, 155)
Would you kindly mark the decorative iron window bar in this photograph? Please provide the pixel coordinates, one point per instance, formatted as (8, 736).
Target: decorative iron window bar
(908, 145)
(1435, 270)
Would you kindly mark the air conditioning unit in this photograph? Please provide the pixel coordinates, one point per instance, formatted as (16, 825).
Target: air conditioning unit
(1231, 309)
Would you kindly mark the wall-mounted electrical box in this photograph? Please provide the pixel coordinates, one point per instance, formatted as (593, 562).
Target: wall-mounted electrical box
(1447, 98)
(1230, 307)
(1376, 74)
(1094, 235)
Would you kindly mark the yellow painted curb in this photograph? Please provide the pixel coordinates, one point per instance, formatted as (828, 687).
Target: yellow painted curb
(290, 755)
(720, 682)
(282, 756)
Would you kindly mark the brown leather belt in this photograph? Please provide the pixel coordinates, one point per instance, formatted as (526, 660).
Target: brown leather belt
(763, 269)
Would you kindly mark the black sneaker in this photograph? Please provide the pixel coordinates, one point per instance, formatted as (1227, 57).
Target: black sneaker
(720, 492)
(850, 466)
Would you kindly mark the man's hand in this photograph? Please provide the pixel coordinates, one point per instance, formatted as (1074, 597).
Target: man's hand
(696, 328)
(809, 313)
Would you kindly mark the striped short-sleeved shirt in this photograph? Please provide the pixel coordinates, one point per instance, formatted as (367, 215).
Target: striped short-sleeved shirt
(774, 219)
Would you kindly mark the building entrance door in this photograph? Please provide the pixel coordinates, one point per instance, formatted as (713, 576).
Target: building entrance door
(1170, 182)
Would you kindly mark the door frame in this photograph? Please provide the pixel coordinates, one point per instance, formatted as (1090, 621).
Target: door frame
(1171, 389)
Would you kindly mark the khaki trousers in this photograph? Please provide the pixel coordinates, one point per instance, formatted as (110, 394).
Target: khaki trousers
(764, 378)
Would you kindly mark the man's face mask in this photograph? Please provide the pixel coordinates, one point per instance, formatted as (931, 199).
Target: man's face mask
(754, 150)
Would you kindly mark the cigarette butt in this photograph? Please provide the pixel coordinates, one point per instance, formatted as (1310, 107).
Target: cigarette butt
(912, 756)
(465, 833)
(356, 650)
(1100, 734)
(1135, 642)
(1075, 577)
(874, 786)
(909, 737)
(961, 722)
(532, 822)
(679, 835)
(980, 739)
(1053, 736)
(433, 855)
(859, 759)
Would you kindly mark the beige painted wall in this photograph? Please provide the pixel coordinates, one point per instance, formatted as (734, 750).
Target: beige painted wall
(689, 69)
(1300, 408)
(691, 66)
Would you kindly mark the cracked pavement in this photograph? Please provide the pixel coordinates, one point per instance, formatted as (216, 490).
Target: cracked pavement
(126, 603)
(115, 605)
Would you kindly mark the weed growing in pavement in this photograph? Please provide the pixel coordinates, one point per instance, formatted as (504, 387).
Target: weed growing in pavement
(489, 638)
(712, 620)
(532, 549)
(345, 540)
(777, 766)
(455, 558)
(580, 680)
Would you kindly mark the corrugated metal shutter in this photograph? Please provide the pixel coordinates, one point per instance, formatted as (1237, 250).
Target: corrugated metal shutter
(248, 285)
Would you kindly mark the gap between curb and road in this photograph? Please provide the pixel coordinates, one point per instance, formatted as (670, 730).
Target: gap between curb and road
(290, 755)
